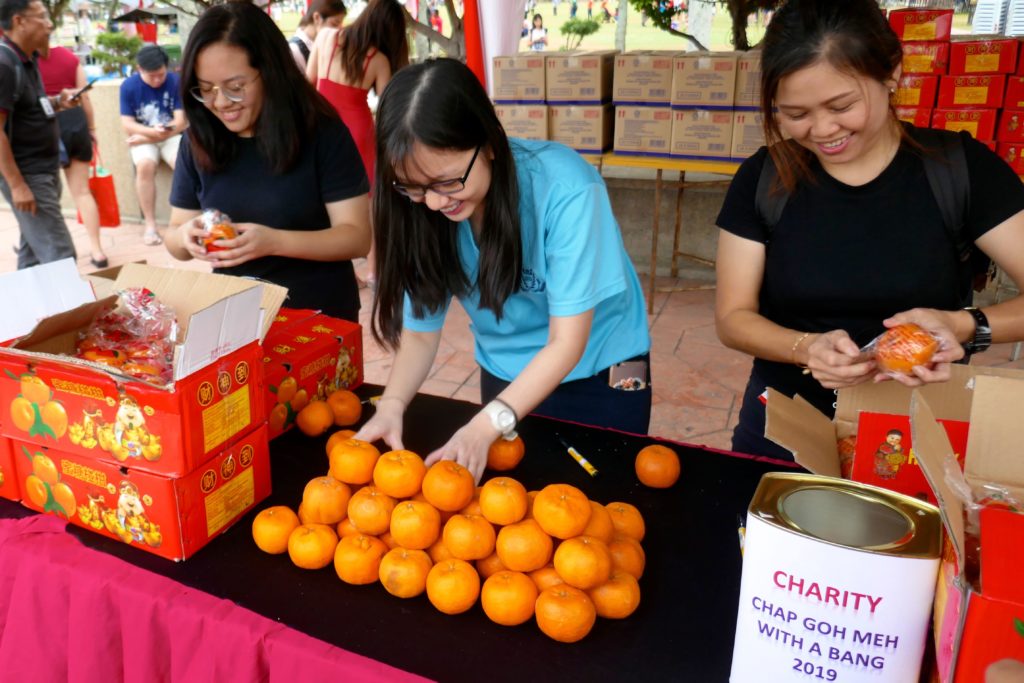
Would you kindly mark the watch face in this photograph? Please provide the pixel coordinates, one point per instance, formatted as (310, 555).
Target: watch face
(506, 419)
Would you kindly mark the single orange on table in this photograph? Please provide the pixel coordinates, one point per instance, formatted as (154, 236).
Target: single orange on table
(357, 559)
(627, 556)
(311, 546)
(902, 348)
(346, 528)
(504, 454)
(325, 500)
(468, 537)
(370, 510)
(564, 613)
(415, 524)
(546, 577)
(508, 598)
(218, 231)
(583, 562)
(600, 523)
(490, 565)
(627, 520)
(271, 528)
(399, 473)
(657, 466)
(453, 586)
(403, 572)
(352, 461)
(346, 406)
(337, 437)
(503, 500)
(448, 486)
(315, 418)
(616, 598)
(561, 510)
(524, 546)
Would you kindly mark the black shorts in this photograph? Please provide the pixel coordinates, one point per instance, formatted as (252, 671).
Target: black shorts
(74, 133)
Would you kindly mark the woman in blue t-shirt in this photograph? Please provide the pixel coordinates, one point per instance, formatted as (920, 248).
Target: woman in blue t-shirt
(267, 150)
(522, 233)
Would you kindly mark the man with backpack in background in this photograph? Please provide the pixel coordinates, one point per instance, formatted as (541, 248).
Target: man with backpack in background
(29, 140)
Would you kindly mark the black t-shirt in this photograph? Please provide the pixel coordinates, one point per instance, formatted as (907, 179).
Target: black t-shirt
(845, 257)
(34, 135)
(247, 189)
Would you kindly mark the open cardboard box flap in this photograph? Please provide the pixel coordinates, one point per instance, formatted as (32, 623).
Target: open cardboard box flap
(799, 427)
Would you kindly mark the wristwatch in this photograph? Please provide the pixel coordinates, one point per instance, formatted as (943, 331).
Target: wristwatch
(502, 416)
(982, 338)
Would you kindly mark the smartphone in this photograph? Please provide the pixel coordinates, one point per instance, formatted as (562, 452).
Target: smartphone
(83, 90)
(630, 375)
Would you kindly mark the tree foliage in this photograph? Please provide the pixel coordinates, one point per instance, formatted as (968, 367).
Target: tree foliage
(115, 51)
(661, 14)
(575, 30)
(56, 8)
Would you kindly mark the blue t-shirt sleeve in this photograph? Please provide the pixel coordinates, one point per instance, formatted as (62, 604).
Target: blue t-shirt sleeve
(128, 96)
(174, 83)
(583, 249)
(339, 166)
(185, 183)
(432, 321)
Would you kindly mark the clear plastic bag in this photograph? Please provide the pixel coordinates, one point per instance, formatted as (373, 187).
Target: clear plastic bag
(900, 349)
(216, 226)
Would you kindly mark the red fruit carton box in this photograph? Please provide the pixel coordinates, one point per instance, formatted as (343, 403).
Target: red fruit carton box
(1011, 126)
(980, 123)
(307, 360)
(1014, 97)
(920, 117)
(925, 58)
(884, 455)
(83, 408)
(8, 478)
(922, 24)
(978, 616)
(168, 516)
(916, 90)
(972, 91)
(982, 56)
(1013, 154)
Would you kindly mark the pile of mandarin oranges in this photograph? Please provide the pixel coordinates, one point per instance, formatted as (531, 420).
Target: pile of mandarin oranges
(551, 555)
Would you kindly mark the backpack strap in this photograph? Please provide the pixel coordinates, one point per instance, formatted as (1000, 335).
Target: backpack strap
(770, 197)
(19, 75)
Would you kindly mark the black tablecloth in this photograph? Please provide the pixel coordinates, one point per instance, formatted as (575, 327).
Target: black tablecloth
(683, 629)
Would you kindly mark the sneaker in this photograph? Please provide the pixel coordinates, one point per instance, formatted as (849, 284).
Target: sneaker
(151, 238)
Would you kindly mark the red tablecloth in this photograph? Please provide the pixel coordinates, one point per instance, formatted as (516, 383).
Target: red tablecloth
(70, 613)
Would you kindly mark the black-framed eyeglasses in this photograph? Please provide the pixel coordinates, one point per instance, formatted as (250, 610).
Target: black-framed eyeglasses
(445, 187)
(207, 94)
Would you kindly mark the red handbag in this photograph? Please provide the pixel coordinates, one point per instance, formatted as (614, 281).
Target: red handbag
(101, 185)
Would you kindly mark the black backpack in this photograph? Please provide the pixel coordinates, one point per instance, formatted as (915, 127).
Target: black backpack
(945, 165)
(303, 50)
(18, 76)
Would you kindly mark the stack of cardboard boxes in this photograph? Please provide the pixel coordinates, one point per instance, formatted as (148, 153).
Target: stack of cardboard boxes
(563, 96)
(972, 83)
(161, 467)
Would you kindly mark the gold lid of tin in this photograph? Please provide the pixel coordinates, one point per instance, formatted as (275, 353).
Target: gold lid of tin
(849, 514)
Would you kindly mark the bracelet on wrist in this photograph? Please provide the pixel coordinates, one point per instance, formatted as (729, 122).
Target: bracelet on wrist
(796, 346)
(391, 398)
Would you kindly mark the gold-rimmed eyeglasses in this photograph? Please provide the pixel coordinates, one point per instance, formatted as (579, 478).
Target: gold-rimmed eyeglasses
(232, 92)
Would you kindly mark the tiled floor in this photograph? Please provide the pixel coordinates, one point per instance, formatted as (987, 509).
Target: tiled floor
(697, 381)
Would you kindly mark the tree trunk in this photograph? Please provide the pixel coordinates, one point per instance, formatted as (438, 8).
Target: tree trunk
(738, 11)
(620, 28)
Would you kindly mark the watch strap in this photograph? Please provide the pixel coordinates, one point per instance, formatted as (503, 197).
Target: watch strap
(982, 338)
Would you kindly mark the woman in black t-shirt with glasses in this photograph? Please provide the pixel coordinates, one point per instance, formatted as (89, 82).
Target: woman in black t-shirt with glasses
(266, 149)
(860, 244)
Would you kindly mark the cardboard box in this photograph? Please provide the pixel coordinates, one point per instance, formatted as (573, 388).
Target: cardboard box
(701, 134)
(8, 475)
(922, 118)
(921, 24)
(916, 91)
(643, 77)
(518, 79)
(645, 131)
(306, 360)
(524, 120)
(170, 517)
(705, 80)
(579, 77)
(1014, 97)
(1013, 154)
(747, 133)
(974, 55)
(978, 623)
(588, 129)
(1011, 125)
(748, 79)
(926, 58)
(88, 409)
(971, 91)
(981, 123)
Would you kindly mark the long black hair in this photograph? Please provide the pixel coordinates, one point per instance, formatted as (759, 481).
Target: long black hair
(439, 104)
(291, 106)
(853, 36)
(382, 26)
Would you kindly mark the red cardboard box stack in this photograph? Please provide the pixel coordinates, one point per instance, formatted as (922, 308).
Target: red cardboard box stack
(161, 467)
